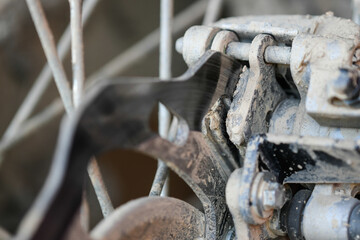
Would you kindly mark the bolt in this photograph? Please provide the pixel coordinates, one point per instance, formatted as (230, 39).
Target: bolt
(274, 196)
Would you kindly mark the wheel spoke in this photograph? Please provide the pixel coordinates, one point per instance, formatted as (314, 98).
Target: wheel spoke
(166, 18)
(114, 67)
(100, 188)
(44, 78)
(213, 11)
(48, 44)
(147, 44)
(77, 51)
(78, 70)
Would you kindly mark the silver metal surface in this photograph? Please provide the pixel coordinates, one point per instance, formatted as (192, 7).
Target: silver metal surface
(212, 38)
(266, 195)
(77, 51)
(326, 215)
(78, 71)
(273, 196)
(273, 54)
(166, 24)
(244, 231)
(277, 55)
(239, 50)
(166, 18)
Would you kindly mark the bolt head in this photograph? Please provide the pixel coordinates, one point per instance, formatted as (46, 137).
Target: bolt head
(274, 196)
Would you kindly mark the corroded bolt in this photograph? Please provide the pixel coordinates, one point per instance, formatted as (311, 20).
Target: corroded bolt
(274, 196)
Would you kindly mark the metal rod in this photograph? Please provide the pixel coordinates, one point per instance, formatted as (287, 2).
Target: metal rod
(161, 175)
(78, 67)
(100, 189)
(166, 15)
(213, 11)
(77, 51)
(166, 19)
(273, 54)
(277, 55)
(114, 67)
(48, 44)
(44, 78)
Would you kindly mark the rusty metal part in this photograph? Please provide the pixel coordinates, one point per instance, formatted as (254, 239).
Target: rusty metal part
(255, 203)
(152, 218)
(293, 159)
(244, 231)
(315, 72)
(256, 96)
(115, 115)
(321, 46)
(214, 129)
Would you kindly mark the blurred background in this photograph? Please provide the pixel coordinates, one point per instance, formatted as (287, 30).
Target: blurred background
(114, 26)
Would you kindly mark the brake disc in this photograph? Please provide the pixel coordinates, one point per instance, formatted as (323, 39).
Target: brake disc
(108, 121)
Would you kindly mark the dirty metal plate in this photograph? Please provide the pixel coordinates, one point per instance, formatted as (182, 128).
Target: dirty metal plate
(295, 159)
(116, 115)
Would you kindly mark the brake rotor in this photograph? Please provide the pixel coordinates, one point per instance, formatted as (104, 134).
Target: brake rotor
(152, 218)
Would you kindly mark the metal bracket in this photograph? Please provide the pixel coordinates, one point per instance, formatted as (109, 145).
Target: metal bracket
(253, 102)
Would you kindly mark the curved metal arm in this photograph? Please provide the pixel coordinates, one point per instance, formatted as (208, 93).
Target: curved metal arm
(116, 115)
